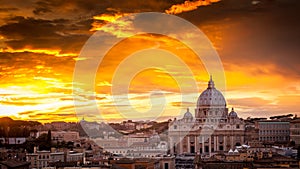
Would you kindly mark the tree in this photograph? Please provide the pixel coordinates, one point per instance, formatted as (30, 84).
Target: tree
(49, 136)
(26, 132)
(42, 142)
(292, 143)
(29, 146)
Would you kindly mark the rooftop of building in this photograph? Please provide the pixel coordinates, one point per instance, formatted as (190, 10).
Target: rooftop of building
(14, 163)
(273, 121)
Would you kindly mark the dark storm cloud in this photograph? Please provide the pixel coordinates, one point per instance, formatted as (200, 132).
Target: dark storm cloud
(75, 9)
(143, 5)
(7, 9)
(104, 6)
(61, 34)
(264, 33)
(41, 10)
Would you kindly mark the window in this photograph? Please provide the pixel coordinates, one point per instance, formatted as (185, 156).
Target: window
(220, 138)
(206, 138)
(166, 166)
(192, 149)
(206, 149)
(221, 148)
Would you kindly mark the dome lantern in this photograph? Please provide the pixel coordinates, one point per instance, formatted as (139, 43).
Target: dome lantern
(211, 84)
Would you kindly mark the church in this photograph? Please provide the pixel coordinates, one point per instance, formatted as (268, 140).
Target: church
(211, 130)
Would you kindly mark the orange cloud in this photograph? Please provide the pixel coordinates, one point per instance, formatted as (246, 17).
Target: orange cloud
(189, 6)
(109, 17)
(56, 53)
(100, 20)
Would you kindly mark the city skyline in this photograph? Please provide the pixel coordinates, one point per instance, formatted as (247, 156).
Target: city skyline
(257, 42)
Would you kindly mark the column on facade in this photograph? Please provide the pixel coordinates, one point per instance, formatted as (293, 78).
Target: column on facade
(188, 144)
(171, 146)
(196, 144)
(209, 145)
(231, 141)
(224, 143)
(202, 144)
(242, 139)
(180, 145)
(215, 143)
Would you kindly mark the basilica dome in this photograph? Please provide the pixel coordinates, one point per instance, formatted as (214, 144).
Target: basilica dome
(211, 97)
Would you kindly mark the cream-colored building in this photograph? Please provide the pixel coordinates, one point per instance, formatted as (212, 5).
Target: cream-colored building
(135, 145)
(295, 131)
(212, 129)
(41, 159)
(274, 131)
(62, 135)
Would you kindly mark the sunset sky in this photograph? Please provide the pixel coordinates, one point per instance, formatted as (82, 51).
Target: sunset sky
(258, 43)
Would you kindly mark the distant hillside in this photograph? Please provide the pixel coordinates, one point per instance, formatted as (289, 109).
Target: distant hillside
(15, 128)
(7, 121)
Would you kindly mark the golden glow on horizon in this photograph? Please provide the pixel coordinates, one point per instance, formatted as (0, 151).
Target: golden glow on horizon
(22, 101)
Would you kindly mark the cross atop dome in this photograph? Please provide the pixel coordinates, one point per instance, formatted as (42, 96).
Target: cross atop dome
(211, 84)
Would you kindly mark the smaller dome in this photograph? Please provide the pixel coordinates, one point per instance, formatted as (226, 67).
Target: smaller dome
(233, 114)
(188, 114)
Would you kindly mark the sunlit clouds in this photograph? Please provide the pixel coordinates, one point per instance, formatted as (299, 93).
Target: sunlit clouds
(258, 44)
(57, 53)
(103, 19)
(189, 6)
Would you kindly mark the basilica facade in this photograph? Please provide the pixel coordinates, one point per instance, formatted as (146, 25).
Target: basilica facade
(212, 129)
